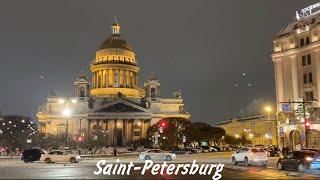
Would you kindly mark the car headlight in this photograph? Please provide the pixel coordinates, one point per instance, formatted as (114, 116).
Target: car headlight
(309, 158)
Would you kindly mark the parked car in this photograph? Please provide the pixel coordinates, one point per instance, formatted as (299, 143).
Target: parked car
(250, 155)
(31, 155)
(186, 150)
(197, 150)
(181, 151)
(299, 160)
(60, 156)
(205, 148)
(226, 148)
(214, 149)
(191, 150)
(156, 154)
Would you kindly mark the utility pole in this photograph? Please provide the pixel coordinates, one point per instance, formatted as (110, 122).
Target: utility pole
(303, 102)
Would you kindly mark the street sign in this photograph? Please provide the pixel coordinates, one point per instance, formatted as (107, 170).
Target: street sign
(29, 141)
(300, 110)
(281, 132)
(286, 107)
(161, 129)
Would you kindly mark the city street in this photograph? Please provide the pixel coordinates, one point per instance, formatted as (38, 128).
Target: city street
(14, 168)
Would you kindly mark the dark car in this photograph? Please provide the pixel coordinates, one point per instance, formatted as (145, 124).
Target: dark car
(31, 155)
(181, 151)
(300, 160)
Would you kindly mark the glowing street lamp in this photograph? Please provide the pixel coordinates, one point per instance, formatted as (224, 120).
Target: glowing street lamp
(236, 136)
(250, 135)
(67, 112)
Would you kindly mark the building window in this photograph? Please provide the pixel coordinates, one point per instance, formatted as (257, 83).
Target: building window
(309, 96)
(309, 59)
(82, 91)
(307, 40)
(153, 92)
(303, 60)
(310, 77)
(302, 42)
(305, 78)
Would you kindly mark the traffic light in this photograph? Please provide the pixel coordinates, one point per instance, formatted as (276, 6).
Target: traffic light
(307, 124)
(80, 138)
(163, 124)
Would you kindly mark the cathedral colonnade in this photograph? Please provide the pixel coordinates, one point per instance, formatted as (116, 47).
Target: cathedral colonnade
(109, 78)
(118, 132)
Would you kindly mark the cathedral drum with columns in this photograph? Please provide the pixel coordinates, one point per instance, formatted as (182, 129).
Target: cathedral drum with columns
(114, 105)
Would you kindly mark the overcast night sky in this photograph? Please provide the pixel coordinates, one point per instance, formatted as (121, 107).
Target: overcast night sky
(211, 44)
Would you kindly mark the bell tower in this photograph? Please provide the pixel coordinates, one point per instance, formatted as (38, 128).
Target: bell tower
(81, 86)
(152, 88)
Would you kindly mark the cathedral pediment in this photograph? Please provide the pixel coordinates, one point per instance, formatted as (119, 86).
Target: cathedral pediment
(121, 106)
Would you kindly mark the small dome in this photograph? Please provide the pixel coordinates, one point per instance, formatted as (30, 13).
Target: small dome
(115, 41)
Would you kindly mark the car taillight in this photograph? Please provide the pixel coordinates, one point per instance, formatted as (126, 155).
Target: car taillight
(309, 158)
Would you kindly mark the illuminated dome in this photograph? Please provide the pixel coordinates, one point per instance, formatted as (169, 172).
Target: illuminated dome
(115, 41)
(114, 69)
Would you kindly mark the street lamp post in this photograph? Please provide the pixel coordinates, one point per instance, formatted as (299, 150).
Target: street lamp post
(268, 109)
(67, 113)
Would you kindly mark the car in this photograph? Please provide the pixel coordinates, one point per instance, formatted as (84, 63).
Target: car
(156, 154)
(197, 150)
(31, 155)
(205, 148)
(299, 160)
(250, 155)
(184, 151)
(311, 149)
(180, 151)
(214, 149)
(60, 156)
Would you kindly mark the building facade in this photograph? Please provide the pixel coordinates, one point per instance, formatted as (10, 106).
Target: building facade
(259, 129)
(114, 104)
(296, 59)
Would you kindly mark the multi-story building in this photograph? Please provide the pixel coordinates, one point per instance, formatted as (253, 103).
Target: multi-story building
(114, 104)
(296, 60)
(259, 129)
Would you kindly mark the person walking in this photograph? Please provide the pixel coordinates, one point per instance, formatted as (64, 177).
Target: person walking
(115, 151)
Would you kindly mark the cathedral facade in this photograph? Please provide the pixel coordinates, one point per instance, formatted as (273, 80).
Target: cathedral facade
(113, 103)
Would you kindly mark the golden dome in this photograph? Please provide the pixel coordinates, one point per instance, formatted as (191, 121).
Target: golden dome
(115, 69)
(115, 41)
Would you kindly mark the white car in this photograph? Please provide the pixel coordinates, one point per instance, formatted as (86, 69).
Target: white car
(60, 156)
(250, 155)
(156, 154)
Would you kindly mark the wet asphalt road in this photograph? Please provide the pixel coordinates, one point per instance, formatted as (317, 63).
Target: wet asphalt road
(16, 169)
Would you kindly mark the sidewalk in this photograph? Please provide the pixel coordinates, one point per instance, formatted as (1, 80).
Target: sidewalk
(9, 157)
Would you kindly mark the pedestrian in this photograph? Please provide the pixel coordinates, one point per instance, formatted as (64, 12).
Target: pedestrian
(115, 151)
(284, 151)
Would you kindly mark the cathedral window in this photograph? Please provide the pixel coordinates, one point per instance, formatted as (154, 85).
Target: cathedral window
(81, 92)
(153, 93)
